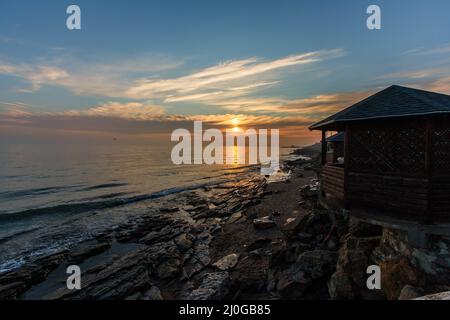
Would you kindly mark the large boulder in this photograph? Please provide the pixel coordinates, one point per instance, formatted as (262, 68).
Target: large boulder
(310, 269)
(349, 280)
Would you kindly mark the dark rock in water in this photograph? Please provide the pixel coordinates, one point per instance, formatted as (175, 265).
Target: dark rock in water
(12, 290)
(264, 223)
(214, 286)
(409, 292)
(227, 262)
(15, 282)
(86, 250)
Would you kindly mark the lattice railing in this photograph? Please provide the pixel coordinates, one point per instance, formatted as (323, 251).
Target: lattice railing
(441, 147)
(389, 148)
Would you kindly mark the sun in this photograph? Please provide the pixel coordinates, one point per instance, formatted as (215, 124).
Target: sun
(235, 122)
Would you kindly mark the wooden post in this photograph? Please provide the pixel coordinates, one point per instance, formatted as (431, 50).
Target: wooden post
(429, 169)
(324, 147)
(346, 164)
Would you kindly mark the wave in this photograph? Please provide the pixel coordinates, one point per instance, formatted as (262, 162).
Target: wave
(36, 191)
(104, 186)
(81, 207)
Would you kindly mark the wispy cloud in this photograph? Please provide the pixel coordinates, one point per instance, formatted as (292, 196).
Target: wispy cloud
(93, 78)
(443, 49)
(239, 75)
(141, 79)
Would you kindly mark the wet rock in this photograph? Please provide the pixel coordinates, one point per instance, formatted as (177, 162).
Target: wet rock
(409, 292)
(12, 290)
(227, 262)
(86, 250)
(264, 223)
(214, 286)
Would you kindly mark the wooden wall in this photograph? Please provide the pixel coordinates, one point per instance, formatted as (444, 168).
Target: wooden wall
(333, 181)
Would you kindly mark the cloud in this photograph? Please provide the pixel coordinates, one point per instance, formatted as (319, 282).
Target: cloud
(130, 110)
(443, 49)
(240, 74)
(93, 78)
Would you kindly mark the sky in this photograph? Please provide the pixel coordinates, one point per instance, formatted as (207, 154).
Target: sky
(144, 68)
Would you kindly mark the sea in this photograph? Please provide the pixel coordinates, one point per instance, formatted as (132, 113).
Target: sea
(56, 194)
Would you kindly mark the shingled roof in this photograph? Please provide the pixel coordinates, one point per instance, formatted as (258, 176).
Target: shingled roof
(394, 101)
(338, 137)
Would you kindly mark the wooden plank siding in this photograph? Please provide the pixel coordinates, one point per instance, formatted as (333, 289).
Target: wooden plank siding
(402, 195)
(333, 181)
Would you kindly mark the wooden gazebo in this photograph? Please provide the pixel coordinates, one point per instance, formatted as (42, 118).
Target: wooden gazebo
(396, 155)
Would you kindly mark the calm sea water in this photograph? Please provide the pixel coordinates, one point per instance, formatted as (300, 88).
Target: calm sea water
(52, 194)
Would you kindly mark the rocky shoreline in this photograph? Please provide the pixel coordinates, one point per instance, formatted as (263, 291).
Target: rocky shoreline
(239, 240)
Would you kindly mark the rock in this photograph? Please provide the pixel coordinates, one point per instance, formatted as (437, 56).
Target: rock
(86, 250)
(258, 243)
(436, 296)
(183, 242)
(152, 294)
(349, 280)
(409, 292)
(169, 209)
(235, 217)
(397, 273)
(295, 223)
(362, 229)
(214, 286)
(292, 280)
(169, 268)
(227, 262)
(308, 191)
(264, 223)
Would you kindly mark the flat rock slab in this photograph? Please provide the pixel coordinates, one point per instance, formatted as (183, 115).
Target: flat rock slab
(227, 262)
